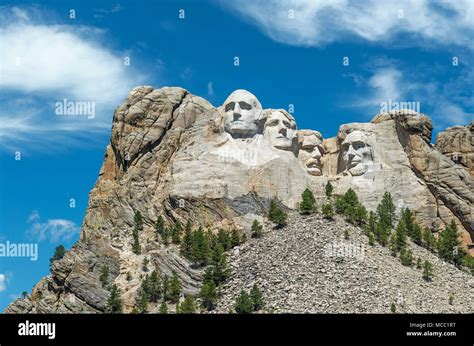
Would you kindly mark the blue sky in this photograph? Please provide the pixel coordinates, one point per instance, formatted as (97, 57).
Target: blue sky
(290, 52)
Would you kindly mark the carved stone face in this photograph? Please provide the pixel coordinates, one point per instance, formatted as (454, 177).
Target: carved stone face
(311, 151)
(280, 129)
(242, 111)
(357, 152)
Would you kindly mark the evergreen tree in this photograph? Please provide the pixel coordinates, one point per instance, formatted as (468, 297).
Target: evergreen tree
(392, 245)
(234, 238)
(308, 203)
(256, 229)
(59, 253)
(174, 290)
(104, 275)
(449, 246)
(328, 211)
(400, 235)
(166, 285)
(136, 248)
(243, 303)
(360, 214)
(372, 222)
(145, 264)
(393, 308)
(371, 239)
(224, 239)
(200, 249)
(155, 289)
(166, 235)
(160, 226)
(406, 257)
(143, 302)
(427, 271)
(418, 263)
(407, 217)
(187, 243)
(114, 303)
(329, 189)
(386, 209)
(429, 240)
(218, 271)
(138, 218)
(163, 308)
(257, 298)
(208, 294)
(244, 238)
(176, 233)
(277, 215)
(188, 306)
(416, 234)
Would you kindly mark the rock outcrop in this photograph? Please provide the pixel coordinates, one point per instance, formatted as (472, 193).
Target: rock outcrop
(174, 154)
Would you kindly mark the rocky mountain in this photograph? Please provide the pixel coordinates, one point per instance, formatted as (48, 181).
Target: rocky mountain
(173, 154)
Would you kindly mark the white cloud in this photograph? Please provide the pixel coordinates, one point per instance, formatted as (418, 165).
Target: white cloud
(210, 89)
(315, 23)
(57, 230)
(3, 283)
(46, 63)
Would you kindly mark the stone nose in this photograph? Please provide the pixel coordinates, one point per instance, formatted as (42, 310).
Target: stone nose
(282, 130)
(236, 116)
(316, 154)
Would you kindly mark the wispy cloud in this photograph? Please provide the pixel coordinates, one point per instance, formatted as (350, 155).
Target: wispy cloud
(210, 89)
(315, 23)
(54, 62)
(56, 230)
(3, 284)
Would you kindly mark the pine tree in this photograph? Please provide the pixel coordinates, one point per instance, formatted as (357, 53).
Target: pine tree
(114, 303)
(429, 240)
(328, 211)
(418, 263)
(277, 215)
(224, 239)
(155, 288)
(308, 203)
(360, 214)
(386, 209)
(187, 243)
(257, 298)
(406, 257)
(371, 239)
(188, 306)
(234, 238)
(393, 308)
(372, 222)
(166, 235)
(449, 246)
(407, 217)
(416, 234)
(145, 264)
(200, 249)
(329, 189)
(136, 248)
(427, 271)
(400, 235)
(218, 271)
(138, 218)
(104, 275)
(208, 294)
(143, 302)
(166, 286)
(174, 290)
(160, 225)
(176, 233)
(392, 245)
(243, 303)
(163, 308)
(256, 229)
(59, 253)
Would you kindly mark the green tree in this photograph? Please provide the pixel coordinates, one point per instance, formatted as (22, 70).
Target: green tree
(114, 303)
(163, 308)
(174, 290)
(136, 248)
(328, 211)
(427, 271)
(224, 239)
(243, 303)
(408, 219)
(449, 246)
(187, 243)
(218, 271)
(208, 294)
(429, 240)
(392, 245)
(329, 189)
(166, 235)
(176, 233)
(166, 286)
(256, 229)
(393, 308)
(418, 263)
(234, 238)
(188, 306)
(406, 257)
(104, 275)
(160, 225)
(145, 264)
(257, 298)
(360, 214)
(200, 249)
(308, 202)
(155, 288)
(59, 253)
(138, 218)
(401, 235)
(385, 217)
(371, 239)
(277, 215)
(416, 234)
(371, 223)
(143, 302)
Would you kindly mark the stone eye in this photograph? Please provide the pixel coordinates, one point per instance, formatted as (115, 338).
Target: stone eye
(230, 106)
(245, 105)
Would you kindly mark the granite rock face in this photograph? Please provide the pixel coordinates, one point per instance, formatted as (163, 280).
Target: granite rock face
(174, 154)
